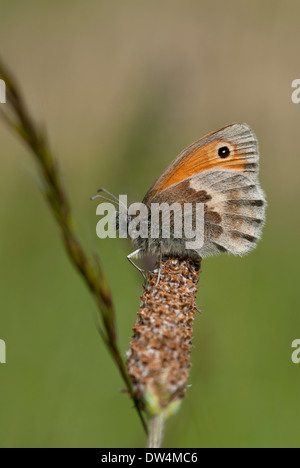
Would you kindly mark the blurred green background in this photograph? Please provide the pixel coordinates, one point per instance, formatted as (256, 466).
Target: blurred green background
(123, 87)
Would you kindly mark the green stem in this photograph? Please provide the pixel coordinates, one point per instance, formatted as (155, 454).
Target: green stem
(156, 431)
(19, 120)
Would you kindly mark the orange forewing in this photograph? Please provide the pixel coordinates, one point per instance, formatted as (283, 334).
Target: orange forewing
(202, 159)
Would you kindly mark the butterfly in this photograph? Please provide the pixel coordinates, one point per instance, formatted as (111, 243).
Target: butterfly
(219, 171)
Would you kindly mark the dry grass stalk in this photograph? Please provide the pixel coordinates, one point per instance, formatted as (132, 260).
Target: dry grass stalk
(18, 118)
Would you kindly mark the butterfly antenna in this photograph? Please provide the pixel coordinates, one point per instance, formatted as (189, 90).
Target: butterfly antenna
(105, 198)
(113, 196)
(108, 193)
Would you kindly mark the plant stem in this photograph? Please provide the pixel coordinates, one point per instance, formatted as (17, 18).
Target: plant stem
(19, 120)
(156, 430)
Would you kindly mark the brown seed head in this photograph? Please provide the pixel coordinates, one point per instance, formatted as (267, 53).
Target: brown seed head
(159, 354)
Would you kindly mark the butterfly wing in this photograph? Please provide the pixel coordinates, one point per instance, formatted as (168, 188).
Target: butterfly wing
(204, 155)
(234, 204)
(234, 209)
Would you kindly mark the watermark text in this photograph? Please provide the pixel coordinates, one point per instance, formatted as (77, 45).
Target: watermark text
(296, 94)
(2, 92)
(2, 352)
(157, 221)
(296, 353)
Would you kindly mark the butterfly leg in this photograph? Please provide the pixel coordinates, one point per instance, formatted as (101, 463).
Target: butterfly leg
(133, 255)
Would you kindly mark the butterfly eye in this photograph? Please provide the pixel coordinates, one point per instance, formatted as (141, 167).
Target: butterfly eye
(224, 152)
